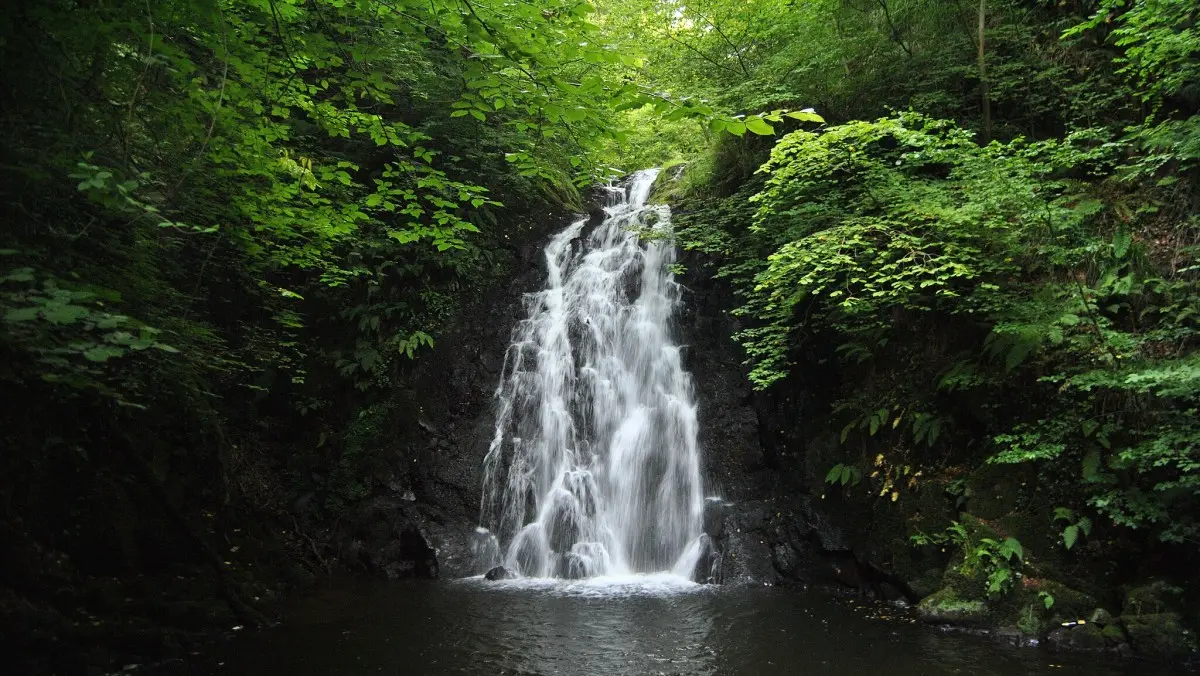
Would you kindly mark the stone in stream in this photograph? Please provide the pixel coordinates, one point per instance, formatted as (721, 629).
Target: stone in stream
(499, 573)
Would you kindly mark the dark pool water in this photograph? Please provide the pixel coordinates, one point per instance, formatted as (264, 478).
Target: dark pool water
(493, 629)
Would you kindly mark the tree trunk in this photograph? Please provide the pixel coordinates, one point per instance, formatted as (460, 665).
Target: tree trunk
(985, 132)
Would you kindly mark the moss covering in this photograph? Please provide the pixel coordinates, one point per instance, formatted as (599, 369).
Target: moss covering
(1154, 597)
(946, 607)
(1160, 635)
(1088, 637)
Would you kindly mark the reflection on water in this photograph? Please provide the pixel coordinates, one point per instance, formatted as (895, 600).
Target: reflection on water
(617, 628)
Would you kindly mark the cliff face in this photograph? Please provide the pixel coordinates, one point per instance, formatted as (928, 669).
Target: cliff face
(435, 433)
(768, 525)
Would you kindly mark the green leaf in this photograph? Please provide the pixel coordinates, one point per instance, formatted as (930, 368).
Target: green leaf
(102, 353)
(18, 275)
(1012, 547)
(806, 115)
(1070, 535)
(1091, 466)
(63, 314)
(846, 431)
(1120, 244)
(22, 314)
(759, 126)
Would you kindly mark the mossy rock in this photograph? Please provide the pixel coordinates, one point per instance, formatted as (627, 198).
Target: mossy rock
(1069, 604)
(970, 583)
(1025, 606)
(994, 490)
(1114, 634)
(1154, 597)
(1102, 617)
(926, 583)
(967, 584)
(1160, 635)
(946, 607)
(1042, 540)
(1085, 637)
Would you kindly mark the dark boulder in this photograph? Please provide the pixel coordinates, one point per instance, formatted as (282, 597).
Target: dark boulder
(499, 573)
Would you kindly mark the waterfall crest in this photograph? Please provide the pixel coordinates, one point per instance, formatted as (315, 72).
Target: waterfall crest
(594, 466)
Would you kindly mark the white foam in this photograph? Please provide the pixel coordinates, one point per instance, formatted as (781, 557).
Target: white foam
(601, 586)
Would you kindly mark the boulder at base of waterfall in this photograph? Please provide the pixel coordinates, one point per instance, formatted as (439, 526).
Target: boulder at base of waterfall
(499, 573)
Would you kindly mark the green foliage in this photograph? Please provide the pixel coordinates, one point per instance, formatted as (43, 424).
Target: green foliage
(1158, 40)
(843, 475)
(71, 334)
(955, 300)
(997, 561)
(224, 211)
(867, 225)
(872, 232)
(1047, 599)
(1075, 525)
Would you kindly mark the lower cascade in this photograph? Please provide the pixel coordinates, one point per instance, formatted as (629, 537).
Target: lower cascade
(594, 468)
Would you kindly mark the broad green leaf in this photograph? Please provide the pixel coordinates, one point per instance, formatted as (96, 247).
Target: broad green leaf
(22, 314)
(63, 314)
(806, 115)
(759, 126)
(1070, 535)
(1120, 245)
(102, 353)
(1012, 547)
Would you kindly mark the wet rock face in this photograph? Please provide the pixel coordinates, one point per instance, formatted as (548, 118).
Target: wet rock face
(708, 566)
(433, 436)
(788, 540)
(729, 426)
(384, 537)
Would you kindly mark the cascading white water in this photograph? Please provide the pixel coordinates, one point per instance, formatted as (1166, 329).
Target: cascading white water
(594, 467)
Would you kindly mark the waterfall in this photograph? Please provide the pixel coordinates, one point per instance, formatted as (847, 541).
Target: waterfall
(594, 467)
